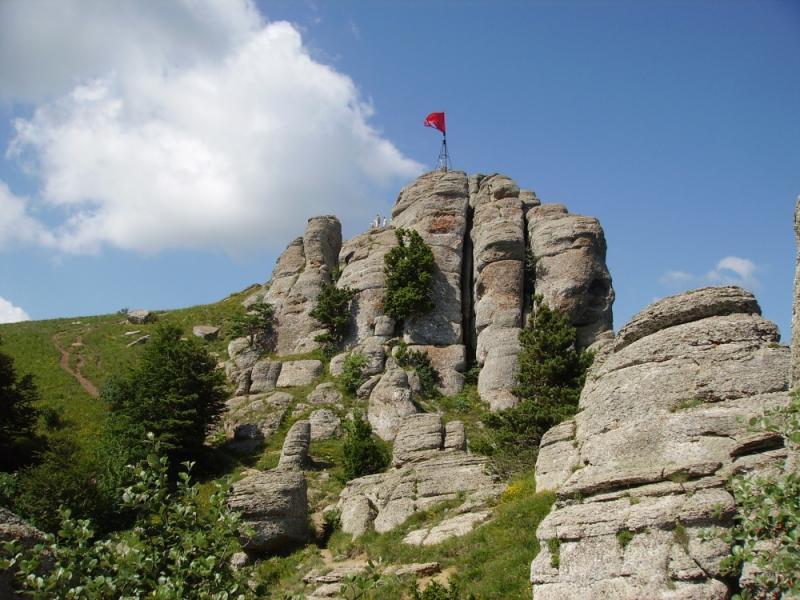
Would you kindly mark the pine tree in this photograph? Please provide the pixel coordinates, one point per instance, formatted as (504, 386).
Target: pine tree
(408, 268)
(18, 416)
(552, 371)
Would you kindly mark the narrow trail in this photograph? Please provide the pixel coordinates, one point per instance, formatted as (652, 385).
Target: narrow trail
(64, 363)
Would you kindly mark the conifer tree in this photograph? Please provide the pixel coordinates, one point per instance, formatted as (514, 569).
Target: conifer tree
(408, 268)
(18, 415)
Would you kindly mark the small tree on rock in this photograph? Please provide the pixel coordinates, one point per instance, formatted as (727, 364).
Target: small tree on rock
(408, 268)
(257, 324)
(333, 312)
(552, 371)
(363, 454)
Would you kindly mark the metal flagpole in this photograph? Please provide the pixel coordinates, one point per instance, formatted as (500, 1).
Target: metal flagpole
(444, 157)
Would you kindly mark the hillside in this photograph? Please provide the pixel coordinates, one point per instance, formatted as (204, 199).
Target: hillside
(479, 486)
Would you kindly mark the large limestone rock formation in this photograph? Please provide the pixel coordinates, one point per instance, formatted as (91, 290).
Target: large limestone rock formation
(571, 274)
(275, 505)
(498, 240)
(297, 280)
(390, 401)
(429, 467)
(435, 205)
(662, 425)
(361, 262)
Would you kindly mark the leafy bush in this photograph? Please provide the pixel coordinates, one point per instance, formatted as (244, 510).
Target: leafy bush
(767, 522)
(18, 416)
(362, 453)
(333, 312)
(65, 477)
(175, 550)
(408, 268)
(552, 371)
(352, 376)
(256, 324)
(421, 363)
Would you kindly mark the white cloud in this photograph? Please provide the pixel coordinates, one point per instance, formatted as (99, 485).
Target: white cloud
(730, 270)
(222, 132)
(16, 226)
(733, 269)
(10, 313)
(675, 277)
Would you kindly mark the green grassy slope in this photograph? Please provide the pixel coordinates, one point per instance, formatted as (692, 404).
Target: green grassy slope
(98, 347)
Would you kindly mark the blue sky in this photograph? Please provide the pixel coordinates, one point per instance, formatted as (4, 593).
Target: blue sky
(162, 154)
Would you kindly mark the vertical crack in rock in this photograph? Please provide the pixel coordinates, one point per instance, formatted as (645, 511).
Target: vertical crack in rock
(796, 303)
(467, 298)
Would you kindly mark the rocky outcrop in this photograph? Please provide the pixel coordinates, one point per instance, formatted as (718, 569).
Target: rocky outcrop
(294, 453)
(498, 240)
(361, 261)
(299, 372)
(425, 473)
(570, 268)
(305, 265)
(662, 425)
(275, 505)
(435, 205)
(324, 425)
(249, 421)
(325, 393)
(205, 332)
(449, 528)
(390, 401)
(263, 376)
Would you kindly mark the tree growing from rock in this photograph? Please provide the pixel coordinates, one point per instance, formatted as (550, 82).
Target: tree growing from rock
(256, 324)
(551, 374)
(333, 312)
(408, 268)
(363, 454)
(18, 415)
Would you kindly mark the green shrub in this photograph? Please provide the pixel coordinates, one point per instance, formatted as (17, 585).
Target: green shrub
(256, 324)
(175, 550)
(767, 521)
(624, 537)
(175, 391)
(18, 416)
(352, 376)
(362, 453)
(554, 546)
(421, 363)
(552, 371)
(64, 477)
(333, 312)
(408, 268)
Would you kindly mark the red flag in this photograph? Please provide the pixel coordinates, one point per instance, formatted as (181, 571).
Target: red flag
(435, 120)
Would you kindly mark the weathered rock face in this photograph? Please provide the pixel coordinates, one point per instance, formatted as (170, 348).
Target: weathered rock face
(275, 505)
(390, 402)
(435, 205)
(361, 261)
(294, 453)
(297, 280)
(250, 420)
(324, 424)
(571, 272)
(426, 472)
(299, 372)
(662, 426)
(498, 240)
